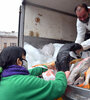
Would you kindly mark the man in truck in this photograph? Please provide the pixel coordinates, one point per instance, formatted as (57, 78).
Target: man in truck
(83, 25)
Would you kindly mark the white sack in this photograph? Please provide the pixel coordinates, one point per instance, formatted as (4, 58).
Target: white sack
(48, 49)
(33, 55)
(57, 46)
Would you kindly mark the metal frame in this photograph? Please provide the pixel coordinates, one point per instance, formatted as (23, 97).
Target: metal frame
(21, 25)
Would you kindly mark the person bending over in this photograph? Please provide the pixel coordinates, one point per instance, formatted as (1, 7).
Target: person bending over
(66, 54)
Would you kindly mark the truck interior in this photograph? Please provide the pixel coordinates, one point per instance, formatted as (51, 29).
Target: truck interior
(50, 21)
(48, 17)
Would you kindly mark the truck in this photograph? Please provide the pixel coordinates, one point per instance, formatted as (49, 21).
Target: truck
(50, 21)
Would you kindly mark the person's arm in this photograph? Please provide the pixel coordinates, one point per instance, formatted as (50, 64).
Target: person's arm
(36, 71)
(81, 30)
(37, 88)
(86, 44)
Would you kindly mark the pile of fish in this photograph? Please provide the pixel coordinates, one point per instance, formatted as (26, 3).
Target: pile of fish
(80, 73)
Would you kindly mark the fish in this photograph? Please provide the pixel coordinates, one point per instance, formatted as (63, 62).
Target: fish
(86, 84)
(79, 69)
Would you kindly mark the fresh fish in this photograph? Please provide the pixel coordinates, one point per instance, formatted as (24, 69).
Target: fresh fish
(79, 68)
(86, 84)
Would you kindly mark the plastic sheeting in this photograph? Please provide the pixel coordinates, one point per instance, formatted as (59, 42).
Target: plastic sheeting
(36, 56)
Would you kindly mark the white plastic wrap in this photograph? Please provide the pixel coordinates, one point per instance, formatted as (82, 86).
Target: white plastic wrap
(48, 49)
(34, 55)
(48, 75)
(57, 47)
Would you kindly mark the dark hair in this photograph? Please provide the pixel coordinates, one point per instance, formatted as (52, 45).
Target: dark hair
(76, 47)
(9, 56)
(83, 5)
(70, 47)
